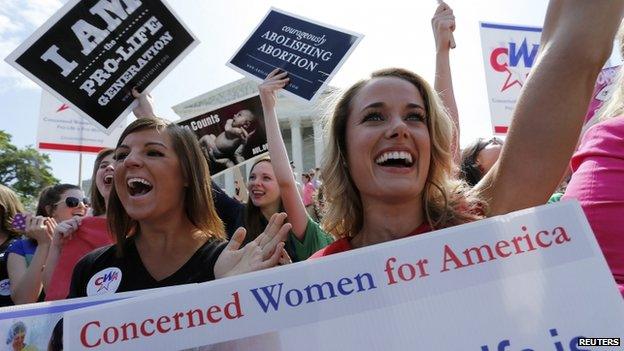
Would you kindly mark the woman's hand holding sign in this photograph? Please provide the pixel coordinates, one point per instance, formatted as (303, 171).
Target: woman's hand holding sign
(145, 109)
(275, 81)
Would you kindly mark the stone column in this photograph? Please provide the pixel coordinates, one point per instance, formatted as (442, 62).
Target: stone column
(319, 143)
(295, 136)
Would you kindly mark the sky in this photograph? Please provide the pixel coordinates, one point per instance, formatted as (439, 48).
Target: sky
(397, 33)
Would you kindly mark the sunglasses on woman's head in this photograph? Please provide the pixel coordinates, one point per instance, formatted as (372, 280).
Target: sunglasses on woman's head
(72, 202)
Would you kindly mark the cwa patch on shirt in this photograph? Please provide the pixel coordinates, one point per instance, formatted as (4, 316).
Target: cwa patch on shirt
(5, 287)
(104, 282)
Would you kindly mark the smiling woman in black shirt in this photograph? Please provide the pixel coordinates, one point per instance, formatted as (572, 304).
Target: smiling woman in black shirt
(162, 214)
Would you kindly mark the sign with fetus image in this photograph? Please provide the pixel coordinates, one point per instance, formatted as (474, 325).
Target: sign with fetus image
(230, 135)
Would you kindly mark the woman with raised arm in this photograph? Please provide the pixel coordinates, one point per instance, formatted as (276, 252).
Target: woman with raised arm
(57, 203)
(76, 237)
(161, 212)
(443, 25)
(389, 170)
(272, 186)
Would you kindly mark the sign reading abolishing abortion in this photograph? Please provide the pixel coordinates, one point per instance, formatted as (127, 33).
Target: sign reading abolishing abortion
(531, 280)
(62, 129)
(509, 52)
(230, 135)
(309, 51)
(91, 53)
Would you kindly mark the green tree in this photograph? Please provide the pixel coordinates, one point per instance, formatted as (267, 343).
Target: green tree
(25, 170)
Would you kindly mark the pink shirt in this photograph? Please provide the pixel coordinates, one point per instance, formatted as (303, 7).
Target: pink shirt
(598, 184)
(308, 191)
(91, 234)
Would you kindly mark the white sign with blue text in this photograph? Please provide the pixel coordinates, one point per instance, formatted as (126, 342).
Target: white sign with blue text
(509, 52)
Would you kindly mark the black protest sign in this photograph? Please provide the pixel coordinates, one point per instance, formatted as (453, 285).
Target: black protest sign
(92, 52)
(230, 135)
(310, 52)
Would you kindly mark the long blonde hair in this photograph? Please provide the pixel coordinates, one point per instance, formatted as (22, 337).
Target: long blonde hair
(446, 200)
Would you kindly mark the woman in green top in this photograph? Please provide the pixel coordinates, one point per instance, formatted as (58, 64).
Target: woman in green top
(272, 187)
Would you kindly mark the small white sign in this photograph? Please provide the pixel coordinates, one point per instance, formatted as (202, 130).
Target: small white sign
(62, 129)
(509, 52)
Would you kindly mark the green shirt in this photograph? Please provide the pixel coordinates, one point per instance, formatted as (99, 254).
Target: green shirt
(314, 239)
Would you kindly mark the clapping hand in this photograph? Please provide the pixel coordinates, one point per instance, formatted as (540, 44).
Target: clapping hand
(263, 252)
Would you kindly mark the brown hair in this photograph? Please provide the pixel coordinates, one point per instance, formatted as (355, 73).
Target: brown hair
(253, 215)
(445, 199)
(10, 206)
(98, 204)
(50, 196)
(198, 202)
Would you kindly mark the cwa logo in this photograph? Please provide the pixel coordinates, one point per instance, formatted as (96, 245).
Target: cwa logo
(104, 282)
(514, 60)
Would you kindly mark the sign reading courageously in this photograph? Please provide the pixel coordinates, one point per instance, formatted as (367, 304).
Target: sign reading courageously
(309, 51)
(530, 280)
(92, 52)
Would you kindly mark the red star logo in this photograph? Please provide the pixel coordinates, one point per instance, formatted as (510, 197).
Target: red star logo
(62, 108)
(508, 82)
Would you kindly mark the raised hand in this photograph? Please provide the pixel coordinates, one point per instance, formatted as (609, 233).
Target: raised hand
(145, 109)
(264, 252)
(443, 24)
(275, 81)
(39, 228)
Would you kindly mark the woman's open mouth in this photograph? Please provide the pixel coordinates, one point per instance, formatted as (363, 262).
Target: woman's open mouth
(400, 159)
(108, 179)
(138, 186)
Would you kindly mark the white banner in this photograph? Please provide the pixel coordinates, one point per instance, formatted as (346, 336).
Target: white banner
(34, 326)
(531, 280)
(508, 55)
(62, 129)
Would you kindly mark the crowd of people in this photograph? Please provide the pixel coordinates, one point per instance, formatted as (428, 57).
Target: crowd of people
(393, 168)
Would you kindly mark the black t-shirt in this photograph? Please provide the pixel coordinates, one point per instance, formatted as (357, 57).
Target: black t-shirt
(5, 286)
(103, 272)
(229, 210)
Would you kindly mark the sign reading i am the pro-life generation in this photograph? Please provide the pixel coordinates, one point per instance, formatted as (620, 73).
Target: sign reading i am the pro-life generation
(531, 280)
(309, 51)
(91, 53)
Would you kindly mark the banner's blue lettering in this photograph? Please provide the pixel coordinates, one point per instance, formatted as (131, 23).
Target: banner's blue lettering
(270, 299)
